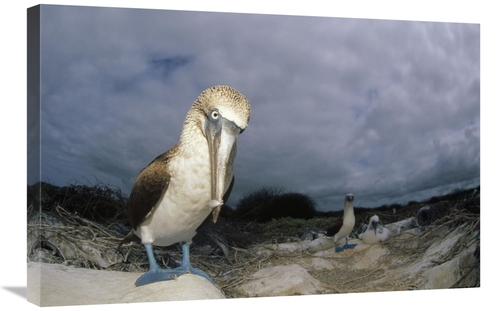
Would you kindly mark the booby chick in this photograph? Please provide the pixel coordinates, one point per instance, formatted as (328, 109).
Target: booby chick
(342, 228)
(376, 232)
(179, 189)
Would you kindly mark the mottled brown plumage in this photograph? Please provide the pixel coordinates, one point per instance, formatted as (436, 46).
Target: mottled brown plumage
(151, 183)
(334, 228)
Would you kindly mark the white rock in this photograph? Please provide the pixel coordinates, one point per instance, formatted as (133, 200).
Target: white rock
(59, 285)
(281, 281)
(370, 258)
(405, 224)
(321, 263)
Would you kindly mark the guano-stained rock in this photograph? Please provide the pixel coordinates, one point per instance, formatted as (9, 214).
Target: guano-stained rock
(59, 285)
(281, 281)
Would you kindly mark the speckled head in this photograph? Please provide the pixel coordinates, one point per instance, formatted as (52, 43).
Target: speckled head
(374, 220)
(231, 104)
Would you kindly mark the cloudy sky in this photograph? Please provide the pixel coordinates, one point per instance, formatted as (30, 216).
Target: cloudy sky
(387, 110)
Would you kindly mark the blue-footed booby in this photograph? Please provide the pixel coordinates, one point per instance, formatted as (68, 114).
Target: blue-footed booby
(342, 228)
(375, 233)
(179, 189)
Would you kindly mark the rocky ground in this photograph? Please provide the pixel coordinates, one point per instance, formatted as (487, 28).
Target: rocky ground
(434, 247)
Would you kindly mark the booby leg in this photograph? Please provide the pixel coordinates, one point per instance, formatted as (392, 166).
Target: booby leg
(338, 249)
(349, 246)
(157, 274)
(186, 264)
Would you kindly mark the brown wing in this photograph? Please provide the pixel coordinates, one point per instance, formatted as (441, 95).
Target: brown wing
(334, 228)
(148, 188)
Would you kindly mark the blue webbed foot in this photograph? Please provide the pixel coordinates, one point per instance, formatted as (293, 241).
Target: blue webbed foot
(350, 246)
(157, 274)
(339, 249)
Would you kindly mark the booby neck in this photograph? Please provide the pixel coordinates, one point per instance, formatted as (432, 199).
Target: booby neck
(348, 219)
(348, 207)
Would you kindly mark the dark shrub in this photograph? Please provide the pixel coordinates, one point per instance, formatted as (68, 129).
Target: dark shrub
(251, 206)
(270, 203)
(294, 205)
(99, 203)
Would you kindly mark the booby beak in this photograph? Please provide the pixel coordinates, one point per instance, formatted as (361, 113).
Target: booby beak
(221, 136)
(374, 225)
(349, 198)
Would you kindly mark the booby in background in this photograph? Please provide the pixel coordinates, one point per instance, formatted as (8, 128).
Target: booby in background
(342, 228)
(375, 232)
(179, 189)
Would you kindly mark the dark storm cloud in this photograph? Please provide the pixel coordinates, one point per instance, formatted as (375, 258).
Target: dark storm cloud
(388, 110)
(158, 69)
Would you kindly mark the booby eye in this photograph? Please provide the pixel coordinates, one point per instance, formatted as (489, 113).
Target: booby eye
(214, 114)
